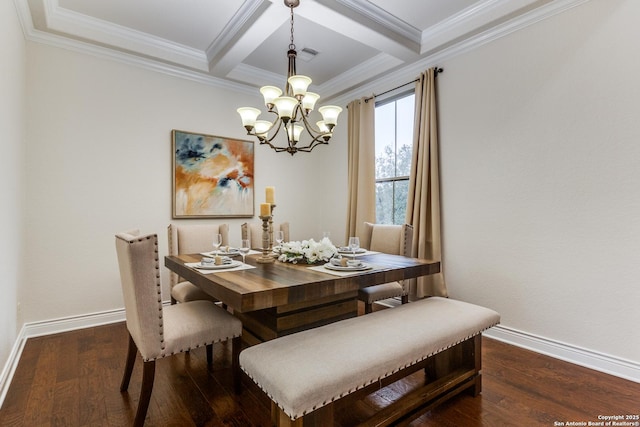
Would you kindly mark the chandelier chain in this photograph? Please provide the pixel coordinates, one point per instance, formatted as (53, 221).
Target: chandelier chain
(292, 45)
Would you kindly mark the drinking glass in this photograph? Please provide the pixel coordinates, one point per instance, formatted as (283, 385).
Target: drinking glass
(354, 244)
(217, 241)
(279, 237)
(245, 247)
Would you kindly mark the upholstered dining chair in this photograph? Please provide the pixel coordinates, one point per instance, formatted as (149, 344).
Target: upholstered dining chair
(191, 239)
(390, 239)
(253, 232)
(156, 331)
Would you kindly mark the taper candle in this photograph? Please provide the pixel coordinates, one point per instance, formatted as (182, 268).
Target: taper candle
(270, 194)
(265, 209)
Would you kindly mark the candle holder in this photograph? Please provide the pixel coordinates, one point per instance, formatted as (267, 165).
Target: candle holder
(266, 257)
(273, 206)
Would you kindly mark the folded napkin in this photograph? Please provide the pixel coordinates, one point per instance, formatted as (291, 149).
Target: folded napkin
(225, 260)
(338, 262)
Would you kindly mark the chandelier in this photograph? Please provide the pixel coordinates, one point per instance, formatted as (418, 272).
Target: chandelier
(291, 110)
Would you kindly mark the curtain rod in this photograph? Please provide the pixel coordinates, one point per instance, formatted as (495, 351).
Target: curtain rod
(437, 70)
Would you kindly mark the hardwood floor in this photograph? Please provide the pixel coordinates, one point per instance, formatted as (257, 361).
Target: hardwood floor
(73, 378)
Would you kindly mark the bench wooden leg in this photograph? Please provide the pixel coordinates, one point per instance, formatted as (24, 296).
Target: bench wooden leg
(209, 348)
(236, 346)
(477, 353)
(322, 417)
(467, 354)
(368, 308)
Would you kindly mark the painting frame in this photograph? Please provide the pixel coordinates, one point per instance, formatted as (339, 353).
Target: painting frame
(212, 176)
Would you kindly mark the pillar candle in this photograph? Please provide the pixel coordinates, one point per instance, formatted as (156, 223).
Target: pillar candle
(270, 195)
(265, 209)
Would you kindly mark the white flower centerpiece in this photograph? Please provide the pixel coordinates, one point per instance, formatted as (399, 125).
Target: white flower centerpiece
(307, 251)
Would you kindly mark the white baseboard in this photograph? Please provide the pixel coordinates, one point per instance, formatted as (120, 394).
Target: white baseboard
(56, 326)
(590, 359)
(48, 327)
(11, 365)
(579, 356)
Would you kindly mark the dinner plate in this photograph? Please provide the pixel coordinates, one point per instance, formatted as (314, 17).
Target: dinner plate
(230, 252)
(232, 264)
(361, 267)
(349, 251)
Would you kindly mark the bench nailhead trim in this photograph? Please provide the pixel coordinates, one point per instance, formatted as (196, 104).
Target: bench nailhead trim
(306, 411)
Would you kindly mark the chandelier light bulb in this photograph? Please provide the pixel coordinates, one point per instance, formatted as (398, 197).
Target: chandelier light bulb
(330, 115)
(248, 116)
(270, 93)
(294, 132)
(285, 106)
(262, 127)
(309, 101)
(322, 126)
(299, 85)
(324, 130)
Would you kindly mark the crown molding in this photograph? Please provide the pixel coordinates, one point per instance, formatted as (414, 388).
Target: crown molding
(334, 86)
(24, 16)
(233, 27)
(366, 70)
(50, 39)
(411, 71)
(384, 18)
(257, 76)
(69, 22)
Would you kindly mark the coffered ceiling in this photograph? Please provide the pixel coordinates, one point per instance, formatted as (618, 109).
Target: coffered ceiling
(244, 43)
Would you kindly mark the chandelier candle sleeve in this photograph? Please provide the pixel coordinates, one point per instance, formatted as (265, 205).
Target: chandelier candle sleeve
(270, 193)
(265, 209)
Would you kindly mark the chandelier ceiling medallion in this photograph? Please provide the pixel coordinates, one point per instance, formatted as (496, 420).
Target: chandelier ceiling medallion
(291, 109)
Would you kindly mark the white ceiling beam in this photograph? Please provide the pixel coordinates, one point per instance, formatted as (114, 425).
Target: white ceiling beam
(349, 23)
(269, 19)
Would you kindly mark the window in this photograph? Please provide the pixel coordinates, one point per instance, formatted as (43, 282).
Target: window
(394, 145)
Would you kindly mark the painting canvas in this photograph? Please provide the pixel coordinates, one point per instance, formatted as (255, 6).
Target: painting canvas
(212, 176)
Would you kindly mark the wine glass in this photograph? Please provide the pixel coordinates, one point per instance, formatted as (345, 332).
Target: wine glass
(245, 247)
(217, 241)
(354, 244)
(279, 237)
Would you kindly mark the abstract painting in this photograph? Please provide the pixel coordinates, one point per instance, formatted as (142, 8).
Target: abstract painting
(212, 176)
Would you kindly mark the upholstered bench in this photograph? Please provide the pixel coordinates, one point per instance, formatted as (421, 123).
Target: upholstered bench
(306, 373)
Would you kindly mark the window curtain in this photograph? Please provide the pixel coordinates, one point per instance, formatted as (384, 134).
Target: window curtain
(423, 200)
(361, 205)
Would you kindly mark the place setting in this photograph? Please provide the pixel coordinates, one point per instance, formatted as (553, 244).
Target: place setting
(220, 259)
(340, 265)
(344, 264)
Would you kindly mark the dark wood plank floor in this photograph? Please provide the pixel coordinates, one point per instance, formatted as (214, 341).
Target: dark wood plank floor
(72, 379)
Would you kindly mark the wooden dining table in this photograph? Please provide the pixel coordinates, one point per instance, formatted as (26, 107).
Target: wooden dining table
(281, 298)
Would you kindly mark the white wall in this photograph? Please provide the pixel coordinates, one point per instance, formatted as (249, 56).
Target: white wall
(539, 184)
(540, 144)
(12, 143)
(99, 161)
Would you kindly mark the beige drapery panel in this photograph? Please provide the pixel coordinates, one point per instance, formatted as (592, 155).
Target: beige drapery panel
(361, 205)
(423, 201)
